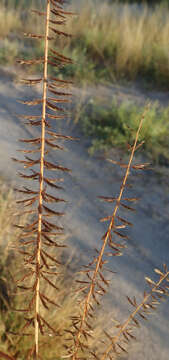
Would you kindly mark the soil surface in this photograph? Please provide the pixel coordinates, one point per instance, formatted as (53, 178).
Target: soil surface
(148, 246)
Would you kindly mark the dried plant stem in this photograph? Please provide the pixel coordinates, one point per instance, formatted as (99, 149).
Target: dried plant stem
(101, 253)
(132, 315)
(41, 178)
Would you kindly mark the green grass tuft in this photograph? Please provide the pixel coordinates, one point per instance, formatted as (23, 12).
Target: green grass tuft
(111, 127)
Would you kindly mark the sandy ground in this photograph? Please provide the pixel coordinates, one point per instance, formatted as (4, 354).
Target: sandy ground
(148, 246)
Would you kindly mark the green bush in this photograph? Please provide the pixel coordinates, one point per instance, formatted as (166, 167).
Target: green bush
(111, 127)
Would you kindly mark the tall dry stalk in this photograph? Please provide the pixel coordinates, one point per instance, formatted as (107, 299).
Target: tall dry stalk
(95, 285)
(96, 282)
(39, 236)
(41, 181)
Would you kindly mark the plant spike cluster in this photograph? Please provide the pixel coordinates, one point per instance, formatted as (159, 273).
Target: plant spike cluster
(42, 235)
(38, 237)
(159, 289)
(96, 284)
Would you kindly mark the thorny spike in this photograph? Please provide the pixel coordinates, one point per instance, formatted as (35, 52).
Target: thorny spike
(98, 261)
(126, 326)
(39, 236)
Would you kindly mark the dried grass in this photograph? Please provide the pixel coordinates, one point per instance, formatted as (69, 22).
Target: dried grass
(136, 41)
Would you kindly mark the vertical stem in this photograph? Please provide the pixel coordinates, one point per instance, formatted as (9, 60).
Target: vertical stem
(45, 77)
(101, 253)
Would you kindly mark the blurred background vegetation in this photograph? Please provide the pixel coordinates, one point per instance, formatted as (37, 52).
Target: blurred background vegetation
(114, 41)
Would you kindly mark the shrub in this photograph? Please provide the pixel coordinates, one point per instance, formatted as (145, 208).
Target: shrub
(111, 126)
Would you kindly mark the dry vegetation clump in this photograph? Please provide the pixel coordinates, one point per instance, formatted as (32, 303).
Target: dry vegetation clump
(135, 46)
(10, 21)
(135, 43)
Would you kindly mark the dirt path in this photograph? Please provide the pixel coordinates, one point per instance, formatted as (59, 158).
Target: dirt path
(149, 244)
(132, 93)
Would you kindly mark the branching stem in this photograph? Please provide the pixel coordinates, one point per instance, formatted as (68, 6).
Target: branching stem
(101, 253)
(132, 315)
